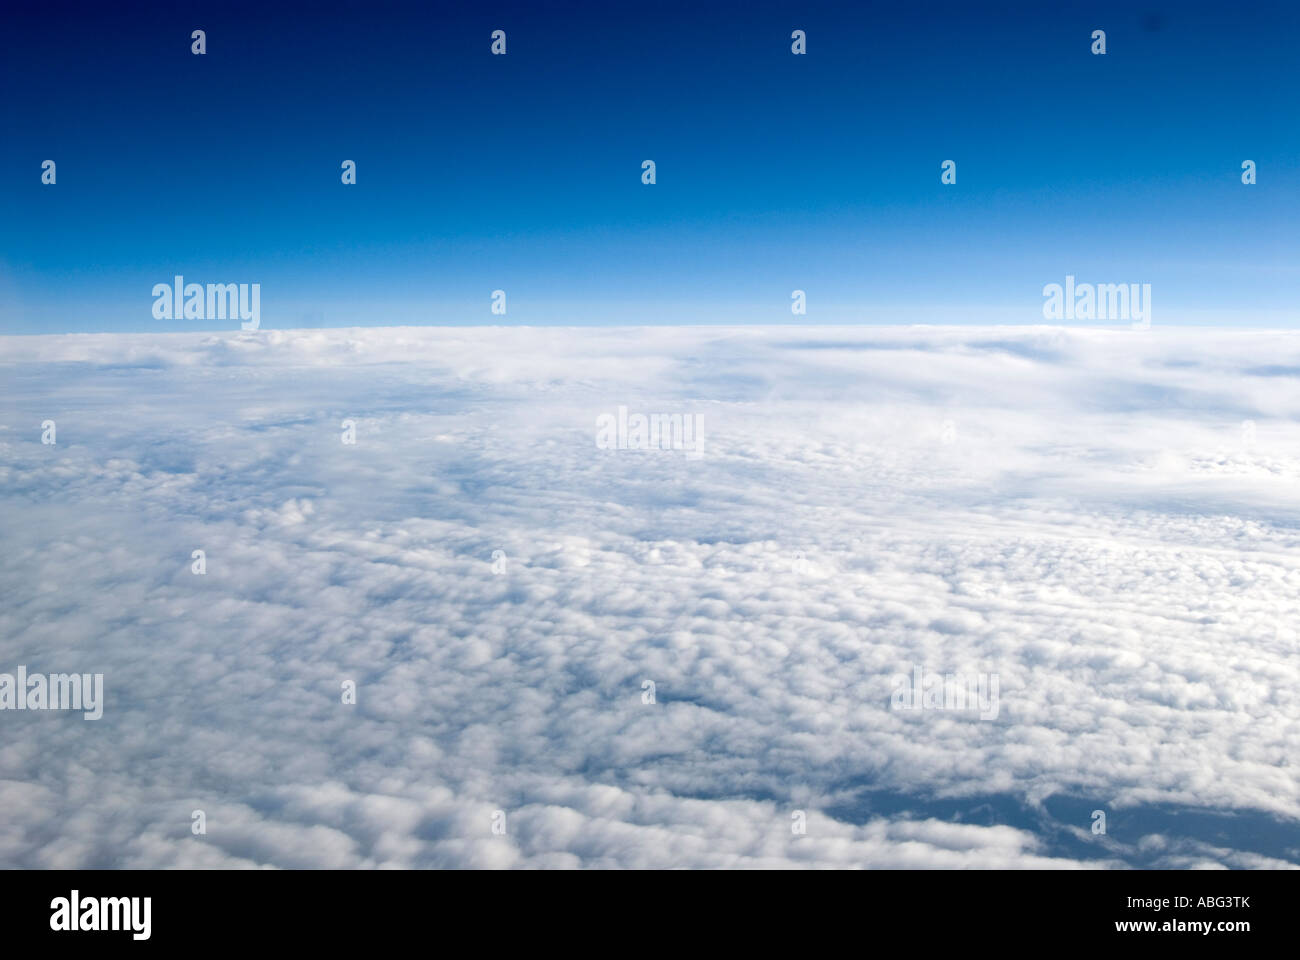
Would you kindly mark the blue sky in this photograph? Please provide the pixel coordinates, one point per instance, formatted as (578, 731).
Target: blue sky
(775, 172)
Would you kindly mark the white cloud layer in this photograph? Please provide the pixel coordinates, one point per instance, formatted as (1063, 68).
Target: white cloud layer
(1106, 520)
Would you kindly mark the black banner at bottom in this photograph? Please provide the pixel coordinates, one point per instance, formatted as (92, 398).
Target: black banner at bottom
(1210, 910)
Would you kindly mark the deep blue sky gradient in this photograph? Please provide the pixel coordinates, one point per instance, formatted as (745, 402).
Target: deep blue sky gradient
(522, 172)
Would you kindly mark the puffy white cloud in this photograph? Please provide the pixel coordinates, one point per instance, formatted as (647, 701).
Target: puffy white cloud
(1105, 520)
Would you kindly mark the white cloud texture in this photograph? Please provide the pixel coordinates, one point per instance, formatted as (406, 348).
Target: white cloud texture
(1105, 520)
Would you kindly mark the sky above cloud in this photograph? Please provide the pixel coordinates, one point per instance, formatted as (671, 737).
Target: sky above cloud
(1105, 519)
(775, 171)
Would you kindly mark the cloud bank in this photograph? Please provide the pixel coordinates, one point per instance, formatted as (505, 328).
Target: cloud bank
(1105, 520)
